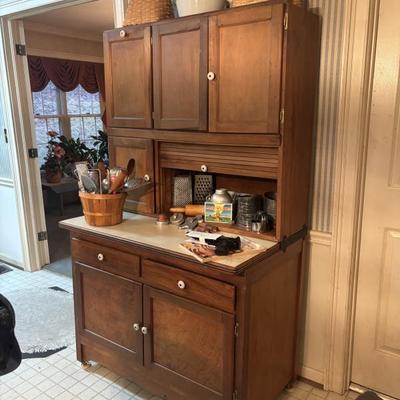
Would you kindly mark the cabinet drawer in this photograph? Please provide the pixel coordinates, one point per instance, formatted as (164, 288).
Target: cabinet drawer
(262, 162)
(105, 258)
(192, 286)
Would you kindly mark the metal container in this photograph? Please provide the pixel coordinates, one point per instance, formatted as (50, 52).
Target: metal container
(221, 196)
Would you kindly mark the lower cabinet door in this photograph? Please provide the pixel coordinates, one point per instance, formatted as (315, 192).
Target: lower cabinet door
(188, 346)
(107, 306)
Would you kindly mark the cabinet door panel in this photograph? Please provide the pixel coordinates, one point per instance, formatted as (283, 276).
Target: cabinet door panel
(128, 78)
(107, 306)
(246, 57)
(121, 150)
(190, 344)
(180, 70)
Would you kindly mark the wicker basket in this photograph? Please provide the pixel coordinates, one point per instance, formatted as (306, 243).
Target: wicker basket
(237, 3)
(102, 209)
(143, 11)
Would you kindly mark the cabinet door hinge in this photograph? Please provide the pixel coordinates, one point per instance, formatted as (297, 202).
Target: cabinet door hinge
(235, 395)
(282, 116)
(33, 153)
(42, 236)
(5, 136)
(20, 49)
(286, 21)
(237, 329)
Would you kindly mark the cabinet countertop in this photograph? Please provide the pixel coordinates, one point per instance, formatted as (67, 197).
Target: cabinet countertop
(142, 230)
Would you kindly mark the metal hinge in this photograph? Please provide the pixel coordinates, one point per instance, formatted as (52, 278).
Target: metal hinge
(33, 153)
(20, 49)
(5, 136)
(282, 116)
(235, 395)
(286, 21)
(42, 236)
(237, 329)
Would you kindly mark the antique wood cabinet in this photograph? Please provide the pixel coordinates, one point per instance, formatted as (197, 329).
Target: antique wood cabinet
(128, 77)
(230, 94)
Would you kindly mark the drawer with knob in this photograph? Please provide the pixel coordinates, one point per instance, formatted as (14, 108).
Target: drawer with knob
(105, 258)
(187, 284)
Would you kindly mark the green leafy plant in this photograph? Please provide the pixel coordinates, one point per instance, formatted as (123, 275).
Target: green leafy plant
(100, 151)
(75, 150)
(55, 157)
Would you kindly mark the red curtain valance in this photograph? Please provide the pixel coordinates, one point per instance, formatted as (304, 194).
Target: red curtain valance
(66, 74)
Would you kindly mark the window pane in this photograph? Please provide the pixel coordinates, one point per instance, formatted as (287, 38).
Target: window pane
(53, 124)
(41, 131)
(42, 151)
(47, 101)
(37, 103)
(73, 101)
(77, 128)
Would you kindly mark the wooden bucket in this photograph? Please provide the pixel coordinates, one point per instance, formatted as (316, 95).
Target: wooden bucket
(102, 209)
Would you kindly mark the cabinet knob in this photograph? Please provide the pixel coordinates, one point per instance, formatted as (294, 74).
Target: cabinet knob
(211, 76)
(204, 168)
(100, 257)
(181, 285)
(147, 178)
(144, 330)
(122, 33)
(136, 327)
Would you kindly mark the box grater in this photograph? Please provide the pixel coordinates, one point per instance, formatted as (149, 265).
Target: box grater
(203, 187)
(183, 193)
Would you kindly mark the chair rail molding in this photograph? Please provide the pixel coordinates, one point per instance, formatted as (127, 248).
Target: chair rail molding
(355, 95)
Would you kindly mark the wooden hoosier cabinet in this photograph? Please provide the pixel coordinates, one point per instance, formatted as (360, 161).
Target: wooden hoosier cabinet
(229, 93)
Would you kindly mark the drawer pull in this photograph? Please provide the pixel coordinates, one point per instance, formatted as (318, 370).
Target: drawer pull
(204, 168)
(211, 76)
(144, 330)
(136, 327)
(181, 285)
(122, 33)
(100, 257)
(147, 178)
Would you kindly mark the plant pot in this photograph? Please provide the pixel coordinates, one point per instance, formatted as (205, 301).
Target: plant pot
(53, 176)
(190, 7)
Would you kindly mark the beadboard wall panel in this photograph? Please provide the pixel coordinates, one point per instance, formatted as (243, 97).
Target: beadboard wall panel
(331, 12)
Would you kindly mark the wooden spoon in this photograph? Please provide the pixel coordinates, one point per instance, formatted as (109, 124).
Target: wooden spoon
(130, 167)
(118, 182)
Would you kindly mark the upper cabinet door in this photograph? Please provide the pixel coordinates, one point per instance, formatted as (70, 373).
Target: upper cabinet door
(245, 69)
(180, 74)
(127, 59)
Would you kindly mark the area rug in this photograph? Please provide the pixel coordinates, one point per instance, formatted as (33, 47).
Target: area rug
(44, 320)
(4, 268)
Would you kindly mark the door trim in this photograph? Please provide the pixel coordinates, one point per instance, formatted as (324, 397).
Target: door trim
(358, 51)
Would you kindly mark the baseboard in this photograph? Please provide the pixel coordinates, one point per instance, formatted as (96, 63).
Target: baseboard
(11, 261)
(312, 374)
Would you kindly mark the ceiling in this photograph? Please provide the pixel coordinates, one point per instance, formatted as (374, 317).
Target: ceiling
(91, 19)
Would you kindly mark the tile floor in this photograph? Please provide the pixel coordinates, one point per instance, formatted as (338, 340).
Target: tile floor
(61, 377)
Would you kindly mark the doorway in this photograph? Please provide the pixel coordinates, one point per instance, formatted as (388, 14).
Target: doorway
(376, 352)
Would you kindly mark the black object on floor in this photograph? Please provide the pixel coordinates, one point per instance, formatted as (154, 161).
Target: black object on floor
(42, 354)
(4, 269)
(369, 395)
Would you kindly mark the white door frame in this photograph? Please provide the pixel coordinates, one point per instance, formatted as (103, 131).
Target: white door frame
(18, 111)
(352, 137)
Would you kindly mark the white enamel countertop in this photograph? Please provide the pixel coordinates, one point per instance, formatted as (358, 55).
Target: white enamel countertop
(140, 229)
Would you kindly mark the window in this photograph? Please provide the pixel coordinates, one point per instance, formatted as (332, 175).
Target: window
(75, 114)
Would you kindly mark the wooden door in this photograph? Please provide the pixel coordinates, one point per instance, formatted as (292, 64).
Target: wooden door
(106, 307)
(122, 149)
(180, 74)
(246, 60)
(189, 345)
(376, 357)
(127, 63)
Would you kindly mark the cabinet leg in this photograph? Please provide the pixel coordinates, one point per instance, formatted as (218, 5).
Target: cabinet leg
(85, 364)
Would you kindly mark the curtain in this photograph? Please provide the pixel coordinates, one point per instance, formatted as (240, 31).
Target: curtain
(66, 74)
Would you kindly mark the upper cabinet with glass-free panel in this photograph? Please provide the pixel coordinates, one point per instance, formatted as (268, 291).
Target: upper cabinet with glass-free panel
(127, 63)
(180, 58)
(245, 62)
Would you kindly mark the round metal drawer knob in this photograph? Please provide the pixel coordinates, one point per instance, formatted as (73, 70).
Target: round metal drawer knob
(136, 327)
(211, 76)
(204, 168)
(181, 285)
(144, 330)
(100, 257)
(122, 33)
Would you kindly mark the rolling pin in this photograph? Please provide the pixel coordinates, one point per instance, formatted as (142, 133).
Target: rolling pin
(191, 210)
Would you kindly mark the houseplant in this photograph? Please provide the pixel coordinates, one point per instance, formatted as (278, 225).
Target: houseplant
(54, 160)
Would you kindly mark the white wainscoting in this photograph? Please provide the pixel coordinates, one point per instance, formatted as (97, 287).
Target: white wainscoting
(317, 288)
